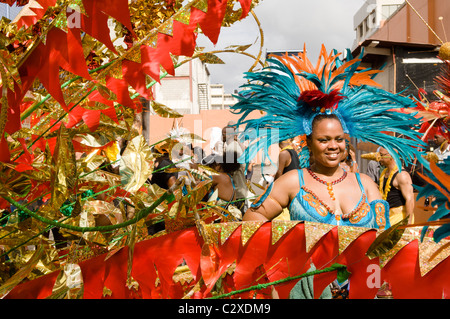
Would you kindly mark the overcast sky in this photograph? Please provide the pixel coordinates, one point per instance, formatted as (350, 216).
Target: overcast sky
(287, 25)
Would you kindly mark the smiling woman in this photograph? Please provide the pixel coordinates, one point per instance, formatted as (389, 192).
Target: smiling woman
(324, 104)
(324, 192)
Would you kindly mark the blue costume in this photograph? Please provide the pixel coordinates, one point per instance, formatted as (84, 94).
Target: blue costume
(307, 207)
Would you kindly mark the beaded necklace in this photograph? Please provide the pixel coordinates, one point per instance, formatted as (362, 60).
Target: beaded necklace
(387, 189)
(328, 184)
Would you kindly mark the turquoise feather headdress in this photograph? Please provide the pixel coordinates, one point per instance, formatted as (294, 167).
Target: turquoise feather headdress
(437, 187)
(291, 92)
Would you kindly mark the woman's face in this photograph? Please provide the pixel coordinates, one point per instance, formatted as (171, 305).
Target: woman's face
(327, 143)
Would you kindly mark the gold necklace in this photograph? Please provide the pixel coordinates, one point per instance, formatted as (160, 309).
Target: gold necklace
(388, 183)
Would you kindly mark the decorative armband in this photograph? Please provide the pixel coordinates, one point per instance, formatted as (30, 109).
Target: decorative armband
(258, 202)
(380, 208)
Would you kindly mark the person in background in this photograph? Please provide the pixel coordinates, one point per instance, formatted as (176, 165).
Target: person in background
(223, 189)
(374, 169)
(396, 188)
(287, 159)
(442, 147)
(349, 161)
(216, 143)
(249, 173)
(198, 155)
(230, 147)
(160, 176)
(163, 179)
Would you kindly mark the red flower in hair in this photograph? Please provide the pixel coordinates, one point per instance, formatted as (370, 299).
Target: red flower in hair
(316, 98)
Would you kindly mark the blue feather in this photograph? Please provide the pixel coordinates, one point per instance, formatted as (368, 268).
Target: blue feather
(365, 112)
(440, 200)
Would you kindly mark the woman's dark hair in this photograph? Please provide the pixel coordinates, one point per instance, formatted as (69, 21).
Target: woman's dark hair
(320, 117)
(228, 161)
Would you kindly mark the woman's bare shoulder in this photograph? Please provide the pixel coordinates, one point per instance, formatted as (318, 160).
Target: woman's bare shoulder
(370, 186)
(288, 182)
(289, 177)
(366, 178)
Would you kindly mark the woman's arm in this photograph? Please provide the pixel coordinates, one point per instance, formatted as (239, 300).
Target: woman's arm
(405, 185)
(283, 190)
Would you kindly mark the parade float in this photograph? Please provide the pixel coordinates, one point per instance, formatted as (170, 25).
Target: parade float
(75, 216)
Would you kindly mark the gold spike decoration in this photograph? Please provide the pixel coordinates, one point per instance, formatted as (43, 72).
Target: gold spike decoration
(314, 232)
(226, 231)
(347, 235)
(248, 229)
(281, 228)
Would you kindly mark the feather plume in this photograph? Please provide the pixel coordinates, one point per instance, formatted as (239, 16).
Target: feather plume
(287, 92)
(438, 186)
(316, 98)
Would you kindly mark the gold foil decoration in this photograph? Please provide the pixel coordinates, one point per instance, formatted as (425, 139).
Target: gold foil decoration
(60, 288)
(387, 240)
(152, 41)
(167, 27)
(68, 284)
(213, 231)
(248, 229)
(136, 164)
(4, 110)
(112, 151)
(115, 70)
(184, 15)
(134, 54)
(109, 210)
(226, 230)
(182, 275)
(314, 232)
(64, 170)
(164, 111)
(22, 273)
(427, 248)
(202, 5)
(280, 228)
(210, 58)
(107, 292)
(78, 6)
(347, 234)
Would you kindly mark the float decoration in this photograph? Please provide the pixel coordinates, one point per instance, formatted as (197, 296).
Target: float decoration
(97, 102)
(245, 257)
(84, 99)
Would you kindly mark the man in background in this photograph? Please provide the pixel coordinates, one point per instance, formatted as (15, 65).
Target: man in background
(287, 159)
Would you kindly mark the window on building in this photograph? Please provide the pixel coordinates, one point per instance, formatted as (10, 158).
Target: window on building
(388, 10)
(372, 20)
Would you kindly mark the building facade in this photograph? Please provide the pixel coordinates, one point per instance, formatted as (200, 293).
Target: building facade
(219, 99)
(402, 44)
(392, 36)
(372, 16)
(187, 92)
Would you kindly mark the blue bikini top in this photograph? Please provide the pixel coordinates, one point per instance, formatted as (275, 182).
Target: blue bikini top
(307, 206)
